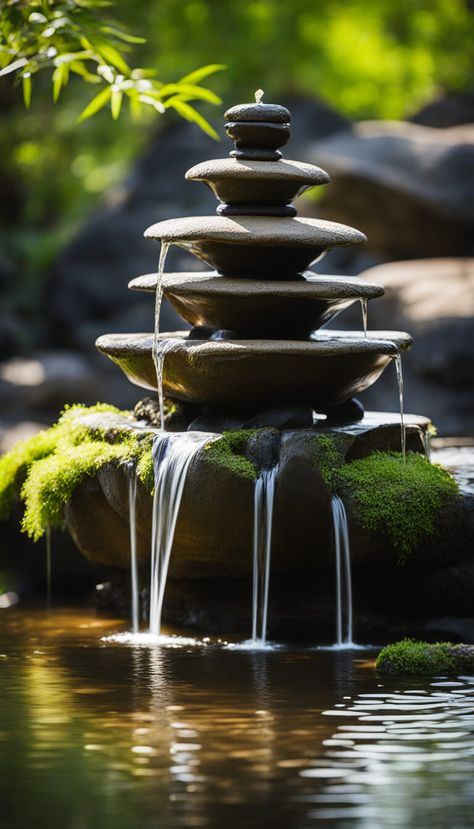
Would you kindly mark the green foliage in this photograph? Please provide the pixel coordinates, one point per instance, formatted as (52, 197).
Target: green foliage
(227, 453)
(45, 470)
(401, 499)
(70, 36)
(410, 657)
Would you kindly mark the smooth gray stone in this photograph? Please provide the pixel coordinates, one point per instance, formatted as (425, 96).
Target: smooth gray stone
(273, 113)
(255, 245)
(324, 371)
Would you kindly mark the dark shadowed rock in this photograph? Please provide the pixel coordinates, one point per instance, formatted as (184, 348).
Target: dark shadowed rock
(409, 187)
(434, 300)
(448, 111)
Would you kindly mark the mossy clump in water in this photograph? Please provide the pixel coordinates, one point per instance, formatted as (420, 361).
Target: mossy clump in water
(44, 470)
(399, 498)
(226, 452)
(410, 657)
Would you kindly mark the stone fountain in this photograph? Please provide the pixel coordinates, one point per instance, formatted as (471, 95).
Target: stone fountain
(257, 358)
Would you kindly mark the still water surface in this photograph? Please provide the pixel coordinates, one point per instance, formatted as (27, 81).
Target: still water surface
(96, 734)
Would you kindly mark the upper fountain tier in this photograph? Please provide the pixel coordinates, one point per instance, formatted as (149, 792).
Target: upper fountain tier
(255, 233)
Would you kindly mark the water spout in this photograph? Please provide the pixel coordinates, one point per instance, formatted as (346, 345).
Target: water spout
(132, 511)
(343, 573)
(172, 457)
(262, 544)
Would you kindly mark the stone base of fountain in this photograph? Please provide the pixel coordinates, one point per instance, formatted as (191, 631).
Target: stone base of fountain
(209, 584)
(213, 535)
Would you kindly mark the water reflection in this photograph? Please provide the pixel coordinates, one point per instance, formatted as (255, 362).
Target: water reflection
(94, 734)
(406, 758)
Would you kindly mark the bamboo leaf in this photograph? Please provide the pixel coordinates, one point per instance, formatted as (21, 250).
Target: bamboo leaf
(12, 67)
(26, 80)
(79, 68)
(112, 56)
(192, 91)
(116, 102)
(203, 72)
(97, 103)
(111, 30)
(59, 80)
(135, 106)
(191, 114)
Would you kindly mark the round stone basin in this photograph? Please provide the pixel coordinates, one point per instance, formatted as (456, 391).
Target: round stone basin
(257, 182)
(255, 246)
(291, 310)
(323, 371)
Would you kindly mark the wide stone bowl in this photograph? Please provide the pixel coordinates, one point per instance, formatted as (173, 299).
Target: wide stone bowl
(257, 182)
(291, 310)
(255, 246)
(320, 372)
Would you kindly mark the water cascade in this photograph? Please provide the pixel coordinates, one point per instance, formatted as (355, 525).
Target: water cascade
(158, 357)
(343, 573)
(172, 457)
(365, 313)
(132, 513)
(403, 434)
(262, 547)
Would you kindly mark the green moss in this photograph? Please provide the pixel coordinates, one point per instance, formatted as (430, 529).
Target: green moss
(401, 499)
(329, 455)
(45, 470)
(412, 657)
(226, 452)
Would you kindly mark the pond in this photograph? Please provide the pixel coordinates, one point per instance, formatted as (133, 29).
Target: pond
(101, 734)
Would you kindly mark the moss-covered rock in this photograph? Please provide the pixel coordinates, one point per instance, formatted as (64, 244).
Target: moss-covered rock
(45, 470)
(411, 657)
(401, 498)
(228, 453)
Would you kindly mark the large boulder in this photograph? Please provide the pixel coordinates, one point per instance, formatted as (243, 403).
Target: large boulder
(433, 299)
(410, 188)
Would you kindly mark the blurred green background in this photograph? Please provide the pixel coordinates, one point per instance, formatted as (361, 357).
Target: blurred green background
(368, 58)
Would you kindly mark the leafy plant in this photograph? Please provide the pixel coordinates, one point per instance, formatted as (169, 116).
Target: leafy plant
(71, 37)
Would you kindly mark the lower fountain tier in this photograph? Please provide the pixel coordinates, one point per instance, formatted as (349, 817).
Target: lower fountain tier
(321, 372)
(213, 536)
(260, 246)
(247, 307)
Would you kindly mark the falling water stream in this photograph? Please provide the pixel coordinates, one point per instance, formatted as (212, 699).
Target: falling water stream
(365, 314)
(132, 512)
(343, 573)
(403, 436)
(172, 457)
(159, 354)
(262, 543)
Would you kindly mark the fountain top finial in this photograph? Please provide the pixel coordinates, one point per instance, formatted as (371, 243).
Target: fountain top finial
(258, 129)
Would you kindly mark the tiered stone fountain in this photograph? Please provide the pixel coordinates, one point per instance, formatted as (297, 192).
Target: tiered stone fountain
(255, 357)
(253, 347)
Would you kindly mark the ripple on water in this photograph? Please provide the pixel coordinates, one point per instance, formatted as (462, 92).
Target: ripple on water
(379, 766)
